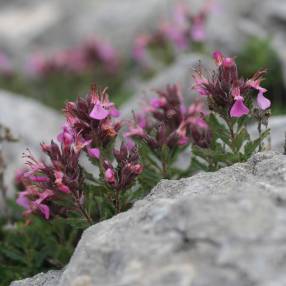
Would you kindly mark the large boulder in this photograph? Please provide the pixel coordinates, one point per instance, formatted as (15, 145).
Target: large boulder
(220, 229)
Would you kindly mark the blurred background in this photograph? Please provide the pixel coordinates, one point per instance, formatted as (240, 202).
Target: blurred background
(51, 51)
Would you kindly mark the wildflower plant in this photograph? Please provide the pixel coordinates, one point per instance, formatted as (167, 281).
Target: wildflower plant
(167, 128)
(60, 187)
(234, 102)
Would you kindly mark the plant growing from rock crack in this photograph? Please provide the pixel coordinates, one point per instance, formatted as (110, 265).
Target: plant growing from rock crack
(60, 197)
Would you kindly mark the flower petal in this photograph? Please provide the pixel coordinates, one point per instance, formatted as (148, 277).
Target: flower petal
(238, 109)
(98, 112)
(94, 152)
(262, 101)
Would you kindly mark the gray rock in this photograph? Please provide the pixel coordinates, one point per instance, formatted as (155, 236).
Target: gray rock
(224, 228)
(31, 122)
(50, 278)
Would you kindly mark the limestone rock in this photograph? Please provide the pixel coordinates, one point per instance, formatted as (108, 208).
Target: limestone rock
(220, 229)
(50, 278)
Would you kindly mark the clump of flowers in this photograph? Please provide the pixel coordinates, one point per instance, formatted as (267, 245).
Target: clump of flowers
(183, 32)
(233, 102)
(61, 187)
(91, 119)
(89, 56)
(167, 127)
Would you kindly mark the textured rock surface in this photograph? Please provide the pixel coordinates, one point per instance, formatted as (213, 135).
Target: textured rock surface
(31, 122)
(220, 229)
(50, 278)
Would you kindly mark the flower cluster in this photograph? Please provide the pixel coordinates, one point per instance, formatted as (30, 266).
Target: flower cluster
(128, 167)
(76, 60)
(167, 121)
(227, 91)
(57, 188)
(90, 119)
(183, 29)
(47, 184)
(121, 176)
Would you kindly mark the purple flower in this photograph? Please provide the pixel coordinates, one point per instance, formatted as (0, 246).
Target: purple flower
(127, 169)
(66, 136)
(93, 152)
(226, 90)
(262, 101)
(98, 112)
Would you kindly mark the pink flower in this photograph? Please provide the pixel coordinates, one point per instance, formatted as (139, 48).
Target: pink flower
(262, 101)
(99, 112)
(158, 102)
(109, 176)
(238, 109)
(199, 85)
(218, 57)
(66, 136)
(27, 200)
(93, 152)
(135, 131)
(59, 182)
(182, 134)
(113, 111)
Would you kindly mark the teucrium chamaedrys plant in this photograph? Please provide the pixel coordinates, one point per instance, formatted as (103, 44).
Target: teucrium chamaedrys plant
(233, 102)
(61, 187)
(165, 129)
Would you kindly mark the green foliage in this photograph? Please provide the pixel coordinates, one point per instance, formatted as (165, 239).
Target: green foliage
(57, 88)
(26, 250)
(230, 143)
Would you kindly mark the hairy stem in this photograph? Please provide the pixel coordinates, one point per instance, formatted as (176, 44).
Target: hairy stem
(83, 212)
(117, 201)
(259, 132)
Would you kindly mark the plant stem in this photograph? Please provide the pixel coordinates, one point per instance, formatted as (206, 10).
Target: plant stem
(259, 132)
(83, 212)
(117, 201)
(164, 170)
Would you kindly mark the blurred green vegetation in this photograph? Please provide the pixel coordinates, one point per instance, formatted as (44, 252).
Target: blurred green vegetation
(26, 250)
(258, 54)
(57, 88)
